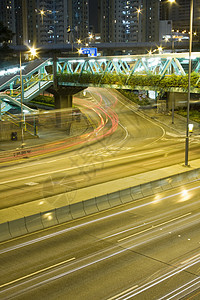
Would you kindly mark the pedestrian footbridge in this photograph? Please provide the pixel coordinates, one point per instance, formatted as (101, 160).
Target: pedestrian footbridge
(146, 72)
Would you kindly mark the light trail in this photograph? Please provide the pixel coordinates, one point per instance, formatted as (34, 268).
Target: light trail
(154, 226)
(182, 289)
(125, 295)
(48, 236)
(84, 165)
(37, 272)
(68, 143)
(156, 281)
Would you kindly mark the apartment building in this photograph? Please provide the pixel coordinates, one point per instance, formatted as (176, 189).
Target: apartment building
(45, 21)
(129, 21)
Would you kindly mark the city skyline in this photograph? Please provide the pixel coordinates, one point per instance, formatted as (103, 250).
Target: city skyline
(66, 21)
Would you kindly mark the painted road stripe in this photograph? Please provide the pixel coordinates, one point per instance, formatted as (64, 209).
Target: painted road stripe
(154, 226)
(37, 272)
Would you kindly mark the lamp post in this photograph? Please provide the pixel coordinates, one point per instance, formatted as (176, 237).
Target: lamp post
(138, 22)
(189, 84)
(172, 70)
(22, 98)
(42, 15)
(33, 53)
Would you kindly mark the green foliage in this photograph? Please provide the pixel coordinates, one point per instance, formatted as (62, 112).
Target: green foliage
(135, 98)
(44, 100)
(194, 114)
(155, 81)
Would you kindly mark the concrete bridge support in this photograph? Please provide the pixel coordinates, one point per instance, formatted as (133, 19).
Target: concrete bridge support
(63, 103)
(63, 96)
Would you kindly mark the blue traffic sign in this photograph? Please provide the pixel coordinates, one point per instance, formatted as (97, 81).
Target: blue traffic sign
(89, 51)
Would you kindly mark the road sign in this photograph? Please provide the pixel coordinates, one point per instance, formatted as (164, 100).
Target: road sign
(89, 51)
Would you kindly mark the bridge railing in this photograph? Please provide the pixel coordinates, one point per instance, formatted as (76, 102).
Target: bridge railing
(35, 83)
(162, 64)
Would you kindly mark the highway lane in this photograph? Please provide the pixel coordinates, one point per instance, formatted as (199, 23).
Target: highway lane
(146, 249)
(138, 145)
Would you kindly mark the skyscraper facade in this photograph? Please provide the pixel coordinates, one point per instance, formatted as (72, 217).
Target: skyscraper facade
(150, 20)
(179, 13)
(7, 15)
(37, 22)
(78, 18)
(51, 21)
(129, 21)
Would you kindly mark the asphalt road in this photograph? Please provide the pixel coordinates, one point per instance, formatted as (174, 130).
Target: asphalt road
(130, 143)
(147, 249)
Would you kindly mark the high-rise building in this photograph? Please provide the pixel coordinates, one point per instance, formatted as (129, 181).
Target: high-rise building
(51, 21)
(179, 13)
(79, 18)
(7, 16)
(43, 21)
(150, 21)
(129, 21)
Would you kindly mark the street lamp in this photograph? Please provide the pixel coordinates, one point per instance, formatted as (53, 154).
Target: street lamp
(21, 98)
(189, 77)
(33, 53)
(173, 98)
(42, 15)
(139, 11)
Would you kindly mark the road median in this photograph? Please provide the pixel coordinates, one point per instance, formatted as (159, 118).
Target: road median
(36, 215)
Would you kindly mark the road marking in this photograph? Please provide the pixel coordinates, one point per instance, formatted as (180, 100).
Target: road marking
(37, 272)
(32, 183)
(153, 227)
(81, 166)
(114, 297)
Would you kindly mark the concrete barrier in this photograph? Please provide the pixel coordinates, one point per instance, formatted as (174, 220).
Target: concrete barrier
(4, 232)
(165, 183)
(178, 180)
(17, 227)
(34, 223)
(146, 189)
(192, 175)
(49, 218)
(90, 206)
(63, 214)
(156, 186)
(136, 192)
(102, 202)
(77, 210)
(125, 195)
(114, 199)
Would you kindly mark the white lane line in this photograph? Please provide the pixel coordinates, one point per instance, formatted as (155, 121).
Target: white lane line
(154, 226)
(37, 272)
(124, 292)
(81, 166)
(32, 183)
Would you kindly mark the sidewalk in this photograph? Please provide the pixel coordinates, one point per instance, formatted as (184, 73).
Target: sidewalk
(47, 135)
(179, 125)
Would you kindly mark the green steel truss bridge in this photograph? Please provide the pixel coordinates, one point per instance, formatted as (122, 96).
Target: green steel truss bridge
(40, 75)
